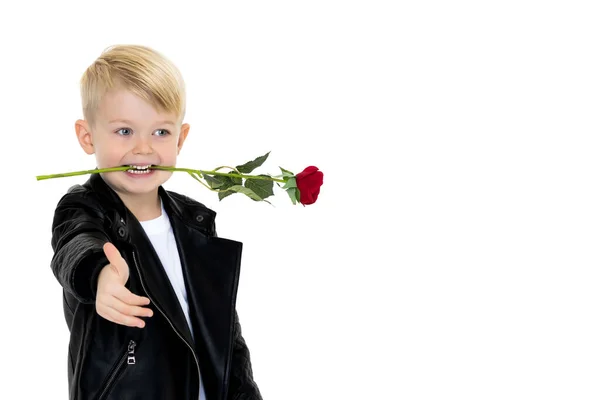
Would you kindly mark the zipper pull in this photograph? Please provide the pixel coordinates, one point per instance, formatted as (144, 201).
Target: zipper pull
(131, 352)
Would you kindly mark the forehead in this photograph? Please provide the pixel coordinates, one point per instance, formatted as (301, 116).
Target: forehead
(123, 105)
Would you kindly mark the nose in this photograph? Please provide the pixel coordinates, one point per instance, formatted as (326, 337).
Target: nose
(142, 145)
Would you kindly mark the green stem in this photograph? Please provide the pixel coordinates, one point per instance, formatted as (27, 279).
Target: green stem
(204, 184)
(89, 171)
(197, 171)
(225, 166)
(198, 179)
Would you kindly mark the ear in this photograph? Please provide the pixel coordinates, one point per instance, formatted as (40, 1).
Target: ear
(84, 136)
(185, 128)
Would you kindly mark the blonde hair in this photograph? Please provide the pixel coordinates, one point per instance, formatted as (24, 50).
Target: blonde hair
(139, 69)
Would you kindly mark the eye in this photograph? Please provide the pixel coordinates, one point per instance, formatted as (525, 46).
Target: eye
(166, 132)
(123, 129)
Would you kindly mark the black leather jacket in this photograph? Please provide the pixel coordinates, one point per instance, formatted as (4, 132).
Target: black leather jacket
(161, 360)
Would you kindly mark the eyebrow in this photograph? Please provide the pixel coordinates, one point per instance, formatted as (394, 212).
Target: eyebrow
(131, 123)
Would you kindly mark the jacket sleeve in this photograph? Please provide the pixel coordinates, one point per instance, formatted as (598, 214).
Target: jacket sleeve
(241, 382)
(78, 236)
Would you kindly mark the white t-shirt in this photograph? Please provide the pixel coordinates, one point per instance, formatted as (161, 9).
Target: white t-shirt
(161, 236)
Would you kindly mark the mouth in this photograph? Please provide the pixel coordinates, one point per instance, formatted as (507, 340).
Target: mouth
(139, 169)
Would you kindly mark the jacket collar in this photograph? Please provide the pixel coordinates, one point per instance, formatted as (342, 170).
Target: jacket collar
(186, 209)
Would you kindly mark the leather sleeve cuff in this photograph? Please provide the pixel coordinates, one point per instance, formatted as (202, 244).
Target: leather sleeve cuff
(86, 275)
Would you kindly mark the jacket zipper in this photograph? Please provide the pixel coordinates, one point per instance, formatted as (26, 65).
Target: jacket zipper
(165, 315)
(131, 352)
(130, 357)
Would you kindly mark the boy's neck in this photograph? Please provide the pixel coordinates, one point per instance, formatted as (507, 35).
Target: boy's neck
(144, 208)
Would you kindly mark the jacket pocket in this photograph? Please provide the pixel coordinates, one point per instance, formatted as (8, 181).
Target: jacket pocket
(128, 358)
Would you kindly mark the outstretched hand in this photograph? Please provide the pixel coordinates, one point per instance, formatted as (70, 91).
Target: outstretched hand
(114, 301)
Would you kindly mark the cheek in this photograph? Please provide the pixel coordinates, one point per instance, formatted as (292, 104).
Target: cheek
(110, 152)
(168, 152)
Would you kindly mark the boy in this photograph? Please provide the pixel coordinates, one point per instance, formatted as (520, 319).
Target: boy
(149, 289)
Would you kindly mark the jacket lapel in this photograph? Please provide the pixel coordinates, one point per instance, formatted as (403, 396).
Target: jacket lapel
(211, 267)
(157, 281)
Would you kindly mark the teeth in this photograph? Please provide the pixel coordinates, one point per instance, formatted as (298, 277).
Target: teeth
(139, 169)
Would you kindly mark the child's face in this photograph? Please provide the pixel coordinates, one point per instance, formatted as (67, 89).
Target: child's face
(145, 138)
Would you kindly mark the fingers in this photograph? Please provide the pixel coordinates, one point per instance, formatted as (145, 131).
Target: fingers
(117, 317)
(127, 309)
(121, 313)
(117, 304)
(124, 295)
(112, 253)
(114, 257)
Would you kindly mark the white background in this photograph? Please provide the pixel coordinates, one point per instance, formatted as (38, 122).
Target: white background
(453, 252)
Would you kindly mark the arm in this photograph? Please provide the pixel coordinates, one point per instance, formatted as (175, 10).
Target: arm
(241, 381)
(78, 237)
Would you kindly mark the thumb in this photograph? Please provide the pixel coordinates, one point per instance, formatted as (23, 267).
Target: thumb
(114, 257)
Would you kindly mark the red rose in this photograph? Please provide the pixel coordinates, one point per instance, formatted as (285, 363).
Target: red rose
(309, 184)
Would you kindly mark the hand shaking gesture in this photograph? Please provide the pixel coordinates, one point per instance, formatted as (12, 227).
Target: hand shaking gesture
(114, 301)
